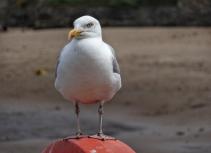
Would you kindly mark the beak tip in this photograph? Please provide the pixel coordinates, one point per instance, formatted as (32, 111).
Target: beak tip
(73, 33)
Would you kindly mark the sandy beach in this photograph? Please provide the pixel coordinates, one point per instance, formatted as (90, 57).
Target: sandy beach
(164, 105)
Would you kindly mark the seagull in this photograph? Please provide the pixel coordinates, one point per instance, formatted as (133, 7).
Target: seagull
(87, 70)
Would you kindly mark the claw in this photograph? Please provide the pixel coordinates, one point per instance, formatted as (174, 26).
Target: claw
(77, 136)
(102, 137)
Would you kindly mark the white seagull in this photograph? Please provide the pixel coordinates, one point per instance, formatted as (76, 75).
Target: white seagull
(87, 70)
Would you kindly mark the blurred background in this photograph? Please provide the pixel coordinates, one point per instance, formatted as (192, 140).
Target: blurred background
(61, 13)
(164, 51)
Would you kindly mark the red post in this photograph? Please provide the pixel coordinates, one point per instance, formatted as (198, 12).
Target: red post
(88, 145)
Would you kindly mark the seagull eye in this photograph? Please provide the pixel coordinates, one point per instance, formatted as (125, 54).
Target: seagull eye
(89, 25)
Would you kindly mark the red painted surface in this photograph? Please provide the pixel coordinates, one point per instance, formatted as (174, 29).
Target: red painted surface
(88, 145)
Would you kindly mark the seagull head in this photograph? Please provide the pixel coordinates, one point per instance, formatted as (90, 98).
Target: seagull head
(85, 27)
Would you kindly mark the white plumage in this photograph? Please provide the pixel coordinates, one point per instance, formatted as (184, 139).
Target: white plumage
(87, 70)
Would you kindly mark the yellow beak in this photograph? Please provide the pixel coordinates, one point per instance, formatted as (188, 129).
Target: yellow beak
(74, 33)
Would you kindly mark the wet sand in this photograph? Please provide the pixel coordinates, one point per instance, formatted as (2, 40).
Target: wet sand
(164, 105)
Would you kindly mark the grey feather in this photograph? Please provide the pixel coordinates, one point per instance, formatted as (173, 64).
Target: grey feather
(115, 64)
(56, 67)
(57, 64)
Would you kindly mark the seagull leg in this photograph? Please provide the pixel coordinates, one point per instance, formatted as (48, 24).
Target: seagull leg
(78, 132)
(100, 112)
(100, 135)
(77, 112)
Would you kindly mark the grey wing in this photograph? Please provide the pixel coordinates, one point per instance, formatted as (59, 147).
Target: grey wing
(115, 64)
(116, 68)
(57, 64)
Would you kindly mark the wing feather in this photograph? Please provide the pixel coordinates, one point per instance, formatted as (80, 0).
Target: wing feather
(115, 64)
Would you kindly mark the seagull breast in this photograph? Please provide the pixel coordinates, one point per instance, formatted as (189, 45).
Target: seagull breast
(85, 71)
